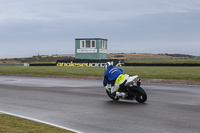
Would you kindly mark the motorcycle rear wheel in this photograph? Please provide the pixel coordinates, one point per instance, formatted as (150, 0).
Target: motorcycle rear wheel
(141, 95)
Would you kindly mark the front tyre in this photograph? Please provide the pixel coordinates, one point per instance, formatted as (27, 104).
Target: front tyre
(141, 95)
(111, 96)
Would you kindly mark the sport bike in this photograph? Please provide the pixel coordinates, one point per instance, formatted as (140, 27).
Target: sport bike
(131, 88)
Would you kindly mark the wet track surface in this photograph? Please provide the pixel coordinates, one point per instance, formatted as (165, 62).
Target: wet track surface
(84, 106)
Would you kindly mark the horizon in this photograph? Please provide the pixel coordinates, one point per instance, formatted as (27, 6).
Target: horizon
(167, 54)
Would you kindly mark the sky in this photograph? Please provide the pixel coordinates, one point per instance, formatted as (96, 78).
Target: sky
(47, 27)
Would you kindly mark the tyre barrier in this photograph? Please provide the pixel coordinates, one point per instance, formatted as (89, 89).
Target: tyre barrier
(101, 63)
(43, 64)
(161, 64)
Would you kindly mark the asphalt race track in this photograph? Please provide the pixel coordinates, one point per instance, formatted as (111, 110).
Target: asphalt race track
(83, 105)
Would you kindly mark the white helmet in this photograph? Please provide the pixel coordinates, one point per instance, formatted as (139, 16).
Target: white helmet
(106, 65)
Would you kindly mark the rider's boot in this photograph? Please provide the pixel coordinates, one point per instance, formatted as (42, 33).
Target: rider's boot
(108, 87)
(121, 94)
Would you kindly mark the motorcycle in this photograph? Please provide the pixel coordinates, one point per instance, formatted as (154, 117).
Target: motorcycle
(131, 87)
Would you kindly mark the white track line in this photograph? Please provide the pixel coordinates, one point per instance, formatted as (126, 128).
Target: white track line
(36, 120)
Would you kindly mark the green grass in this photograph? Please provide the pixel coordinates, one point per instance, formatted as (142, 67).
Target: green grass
(52, 70)
(143, 72)
(192, 73)
(11, 124)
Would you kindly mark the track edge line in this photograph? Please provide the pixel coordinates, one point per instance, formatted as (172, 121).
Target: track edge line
(39, 121)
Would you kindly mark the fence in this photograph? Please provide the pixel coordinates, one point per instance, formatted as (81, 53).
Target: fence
(14, 64)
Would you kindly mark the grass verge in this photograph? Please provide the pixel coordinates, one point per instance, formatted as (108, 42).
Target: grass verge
(192, 73)
(12, 124)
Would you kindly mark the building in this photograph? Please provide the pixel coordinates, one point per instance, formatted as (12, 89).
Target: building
(90, 48)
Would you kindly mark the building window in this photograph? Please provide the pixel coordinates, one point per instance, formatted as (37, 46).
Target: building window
(82, 44)
(103, 44)
(87, 44)
(93, 44)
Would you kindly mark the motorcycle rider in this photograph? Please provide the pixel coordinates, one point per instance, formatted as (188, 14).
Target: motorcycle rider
(113, 76)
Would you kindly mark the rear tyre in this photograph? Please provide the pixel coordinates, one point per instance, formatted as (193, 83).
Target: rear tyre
(111, 96)
(141, 95)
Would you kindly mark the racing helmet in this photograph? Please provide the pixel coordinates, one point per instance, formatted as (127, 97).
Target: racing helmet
(106, 65)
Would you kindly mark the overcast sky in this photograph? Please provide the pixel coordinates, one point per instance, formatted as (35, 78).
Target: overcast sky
(29, 27)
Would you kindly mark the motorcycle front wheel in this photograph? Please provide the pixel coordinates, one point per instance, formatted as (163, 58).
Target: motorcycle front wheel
(111, 96)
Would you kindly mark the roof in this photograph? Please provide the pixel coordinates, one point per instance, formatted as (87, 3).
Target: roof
(90, 39)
